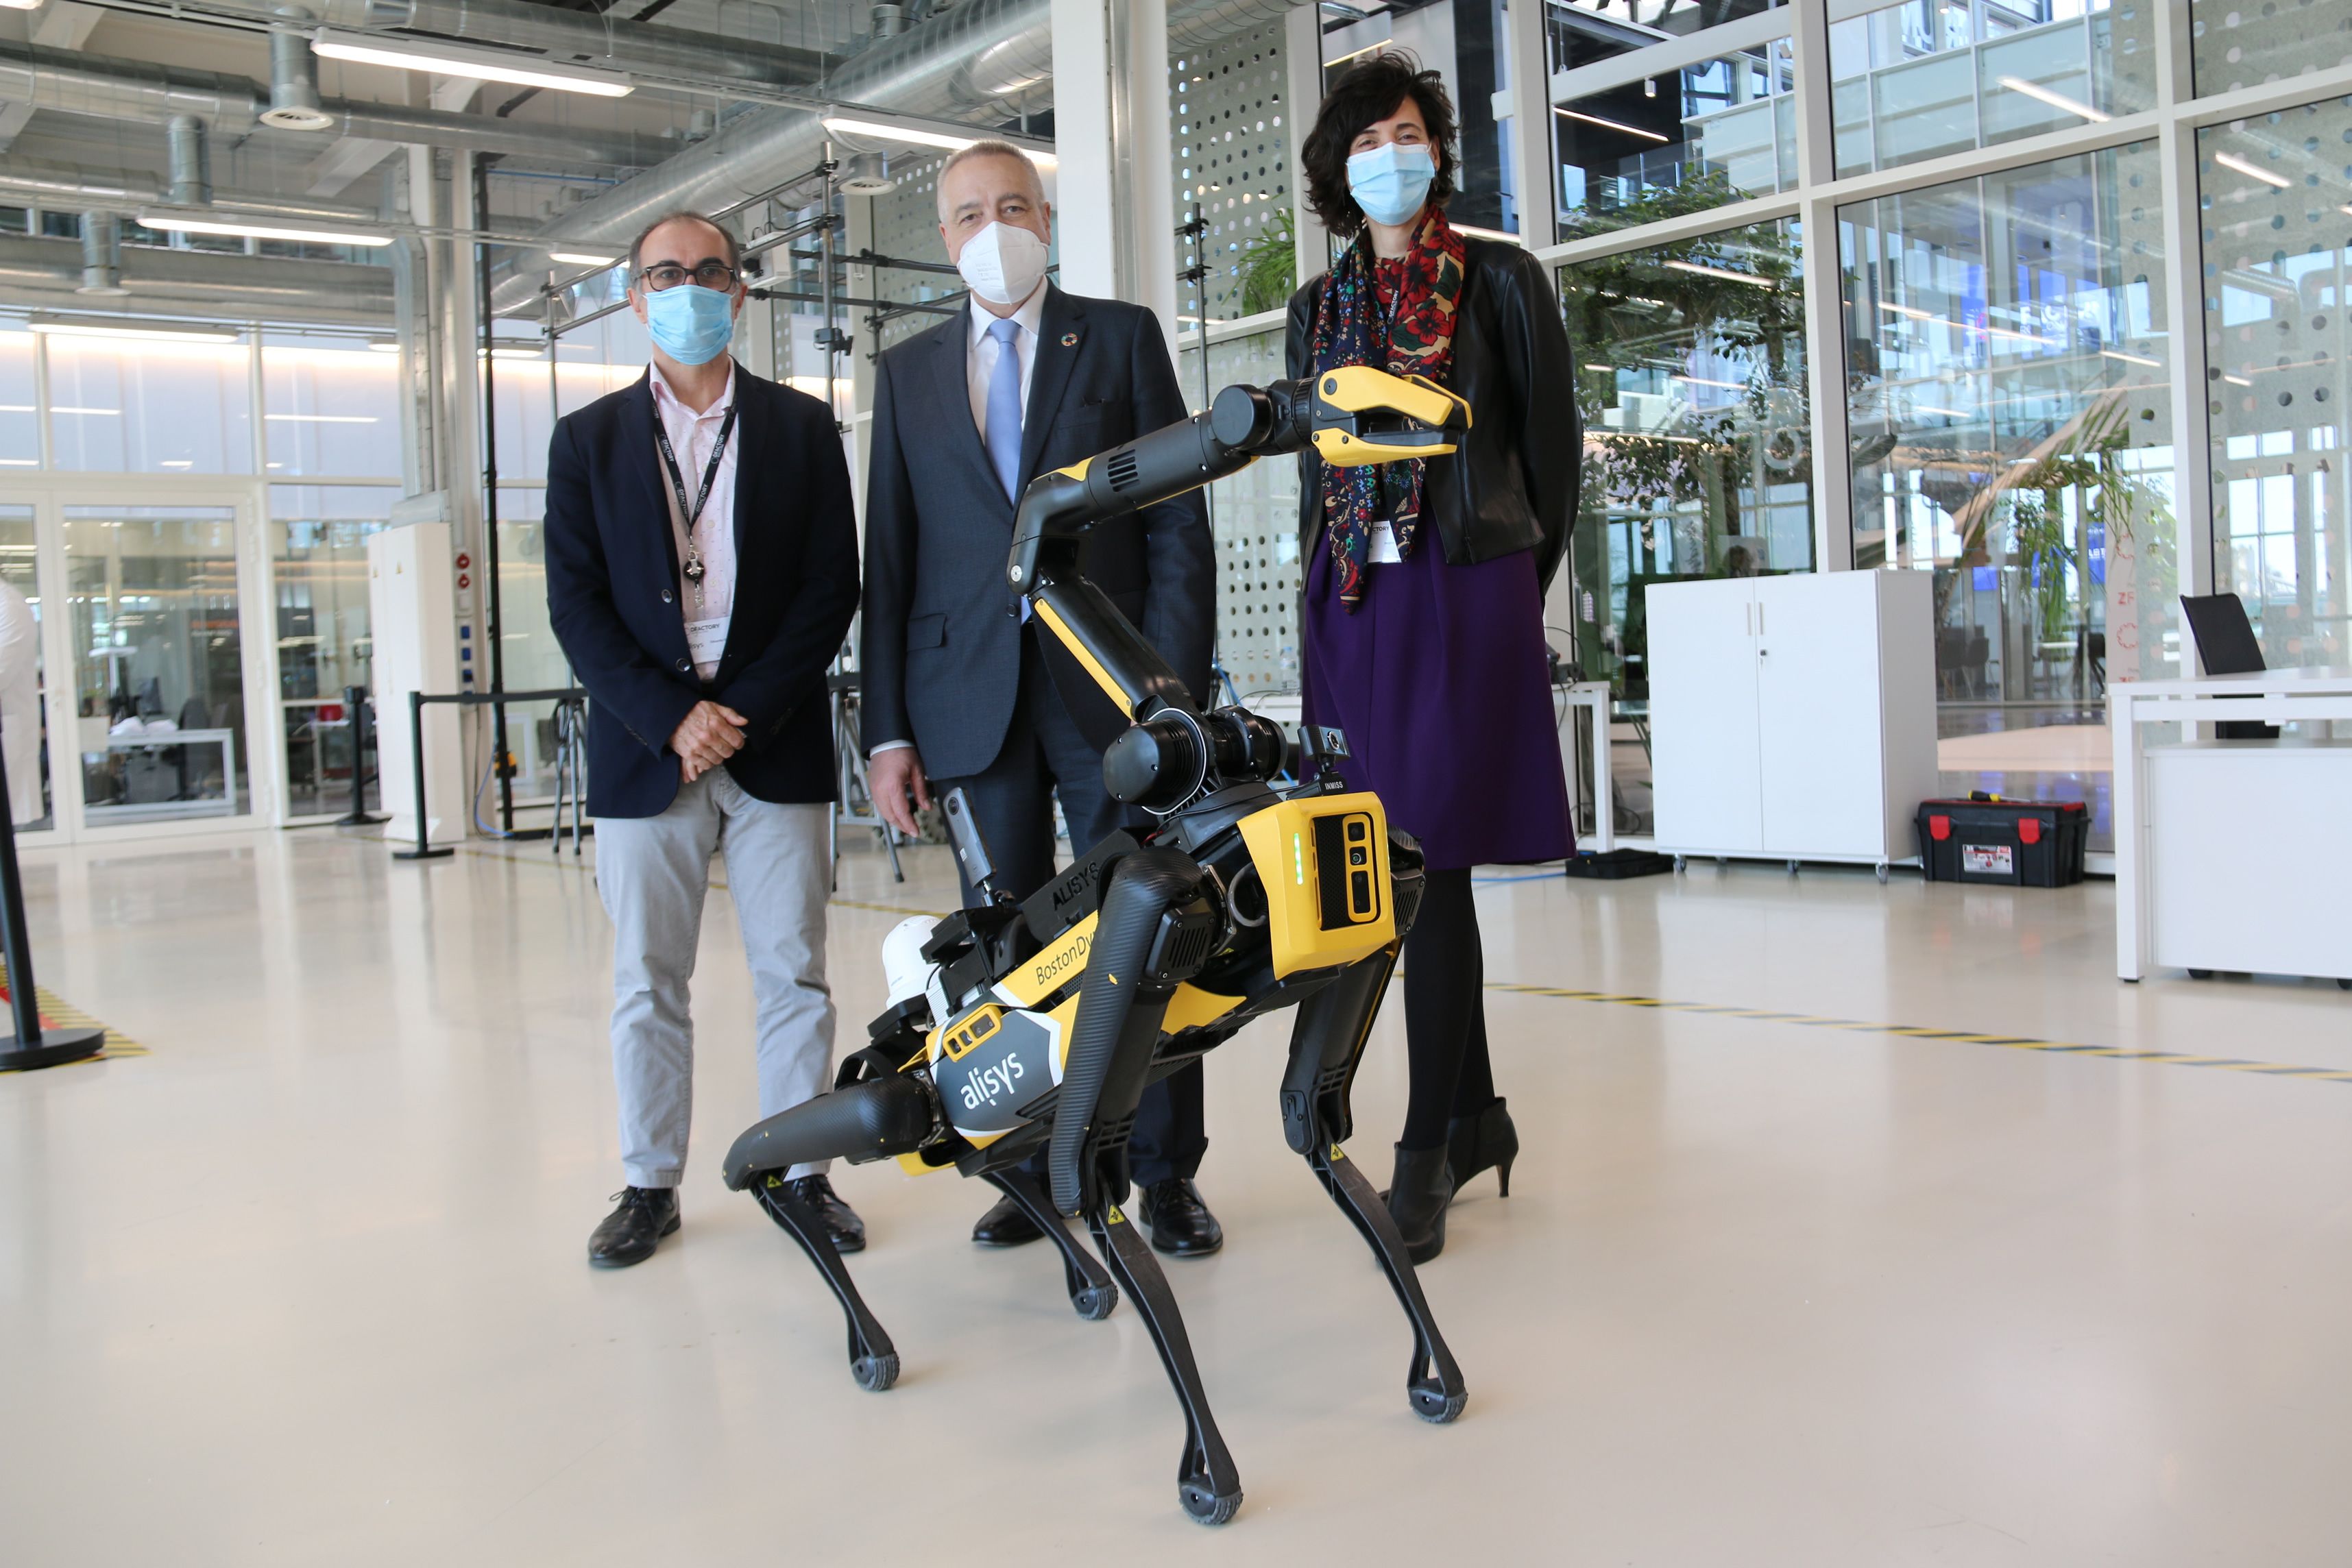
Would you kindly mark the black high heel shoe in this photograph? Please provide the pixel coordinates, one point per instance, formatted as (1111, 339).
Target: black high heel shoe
(1486, 1141)
(1417, 1197)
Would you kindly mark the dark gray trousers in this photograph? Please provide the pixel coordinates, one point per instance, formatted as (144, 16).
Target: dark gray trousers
(1044, 757)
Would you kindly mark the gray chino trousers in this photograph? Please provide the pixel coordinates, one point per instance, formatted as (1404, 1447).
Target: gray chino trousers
(653, 874)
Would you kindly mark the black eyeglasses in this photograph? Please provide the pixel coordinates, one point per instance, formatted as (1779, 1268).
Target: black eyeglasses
(669, 275)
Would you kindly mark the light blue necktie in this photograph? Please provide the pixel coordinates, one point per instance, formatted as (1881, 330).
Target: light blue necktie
(1004, 435)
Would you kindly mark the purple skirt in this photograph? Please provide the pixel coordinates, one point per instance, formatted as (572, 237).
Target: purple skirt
(1438, 678)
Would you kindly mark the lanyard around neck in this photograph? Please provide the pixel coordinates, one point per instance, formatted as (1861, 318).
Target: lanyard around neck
(678, 481)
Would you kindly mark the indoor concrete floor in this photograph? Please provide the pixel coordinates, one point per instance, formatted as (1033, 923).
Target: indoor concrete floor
(305, 1285)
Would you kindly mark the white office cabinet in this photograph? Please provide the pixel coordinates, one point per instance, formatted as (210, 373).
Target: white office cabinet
(1792, 718)
(413, 615)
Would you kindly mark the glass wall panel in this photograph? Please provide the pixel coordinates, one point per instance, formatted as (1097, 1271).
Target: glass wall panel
(532, 659)
(1698, 456)
(1680, 141)
(2009, 410)
(330, 406)
(607, 355)
(2278, 244)
(523, 388)
(319, 538)
(20, 430)
(149, 406)
(1925, 78)
(2244, 43)
(23, 672)
(158, 666)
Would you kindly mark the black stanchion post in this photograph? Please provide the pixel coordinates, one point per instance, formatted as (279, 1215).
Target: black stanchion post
(32, 1046)
(355, 703)
(423, 850)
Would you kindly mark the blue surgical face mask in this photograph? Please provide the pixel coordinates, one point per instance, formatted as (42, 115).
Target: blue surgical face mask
(1391, 183)
(690, 323)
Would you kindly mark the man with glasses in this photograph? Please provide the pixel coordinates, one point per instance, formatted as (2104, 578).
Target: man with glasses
(701, 573)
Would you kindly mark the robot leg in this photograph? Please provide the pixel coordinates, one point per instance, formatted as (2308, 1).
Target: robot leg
(1325, 1047)
(1092, 1292)
(872, 1359)
(1206, 1481)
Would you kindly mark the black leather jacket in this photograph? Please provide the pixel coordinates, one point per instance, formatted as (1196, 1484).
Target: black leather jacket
(1513, 486)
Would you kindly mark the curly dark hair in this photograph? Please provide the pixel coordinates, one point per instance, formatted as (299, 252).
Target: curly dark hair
(1371, 90)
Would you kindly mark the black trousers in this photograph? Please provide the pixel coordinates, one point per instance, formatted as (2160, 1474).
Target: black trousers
(1044, 758)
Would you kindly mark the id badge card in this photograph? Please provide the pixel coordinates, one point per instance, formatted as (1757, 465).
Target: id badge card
(707, 640)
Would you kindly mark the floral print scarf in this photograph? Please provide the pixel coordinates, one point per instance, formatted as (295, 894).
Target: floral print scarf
(1397, 315)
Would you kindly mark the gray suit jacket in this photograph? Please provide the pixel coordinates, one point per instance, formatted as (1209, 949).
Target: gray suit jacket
(940, 649)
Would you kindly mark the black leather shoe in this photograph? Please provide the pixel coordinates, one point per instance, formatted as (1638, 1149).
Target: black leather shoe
(841, 1221)
(1005, 1226)
(631, 1232)
(1180, 1223)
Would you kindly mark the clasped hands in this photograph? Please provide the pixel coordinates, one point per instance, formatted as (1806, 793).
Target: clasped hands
(708, 735)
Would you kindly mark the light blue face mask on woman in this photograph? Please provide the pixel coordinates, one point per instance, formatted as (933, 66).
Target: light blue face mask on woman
(690, 323)
(1391, 183)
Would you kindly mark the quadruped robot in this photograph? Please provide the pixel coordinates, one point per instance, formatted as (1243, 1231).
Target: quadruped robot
(1029, 1025)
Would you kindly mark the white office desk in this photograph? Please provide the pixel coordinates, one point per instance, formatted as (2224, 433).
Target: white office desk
(2233, 855)
(226, 739)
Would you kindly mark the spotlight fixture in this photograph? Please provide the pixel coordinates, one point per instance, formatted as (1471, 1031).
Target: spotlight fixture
(469, 60)
(208, 221)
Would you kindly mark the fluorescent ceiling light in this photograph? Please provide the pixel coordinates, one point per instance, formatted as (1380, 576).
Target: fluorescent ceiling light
(463, 60)
(2055, 99)
(1334, 60)
(322, 418)
(173, 220)
(512, 351)
(919, 135)
(2237, 380)
(1946, 412)
(1611, 124)
(2231, 161)
(382, 346)
(577, 258)
(1725, 272)
(68, 408)
(2131, 359)
(1702, 382)
(1487, 233)
(164, 332)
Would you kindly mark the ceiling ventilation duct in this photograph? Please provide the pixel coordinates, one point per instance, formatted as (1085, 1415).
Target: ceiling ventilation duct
(294, 82)
(866, 174)
(101, 254)
(192, 162)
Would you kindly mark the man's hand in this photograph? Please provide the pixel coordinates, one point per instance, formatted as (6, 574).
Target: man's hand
(708, 737)
(892, 776)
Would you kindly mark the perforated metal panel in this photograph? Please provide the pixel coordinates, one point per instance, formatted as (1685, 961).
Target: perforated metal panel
(1256, 518)
(907, 226)
(1231, 156)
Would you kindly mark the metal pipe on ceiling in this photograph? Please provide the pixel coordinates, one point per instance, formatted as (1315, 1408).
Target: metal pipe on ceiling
(31, 182)
(162, 282)
(583, 38)
(233, 106)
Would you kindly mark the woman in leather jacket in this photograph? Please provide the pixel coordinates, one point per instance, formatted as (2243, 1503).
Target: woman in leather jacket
(1422, 616)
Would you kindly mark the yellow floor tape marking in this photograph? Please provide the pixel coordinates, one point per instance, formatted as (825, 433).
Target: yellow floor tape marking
(57, 1013)
(1957, 1036)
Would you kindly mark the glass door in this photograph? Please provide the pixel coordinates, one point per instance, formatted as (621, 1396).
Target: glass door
(159, 662)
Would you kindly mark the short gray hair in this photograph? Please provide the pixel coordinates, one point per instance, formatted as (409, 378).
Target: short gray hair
(990, 147)
(637, 245)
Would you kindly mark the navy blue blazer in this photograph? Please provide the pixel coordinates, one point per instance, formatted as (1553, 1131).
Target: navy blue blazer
(613, 590)
(939, 649)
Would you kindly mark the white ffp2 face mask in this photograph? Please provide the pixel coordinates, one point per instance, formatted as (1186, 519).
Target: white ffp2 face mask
(1003, 263)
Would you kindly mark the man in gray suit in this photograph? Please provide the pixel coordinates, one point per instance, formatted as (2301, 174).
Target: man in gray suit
(959, 690)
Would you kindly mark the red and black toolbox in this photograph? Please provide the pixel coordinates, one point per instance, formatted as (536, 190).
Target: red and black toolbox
(2014, 843)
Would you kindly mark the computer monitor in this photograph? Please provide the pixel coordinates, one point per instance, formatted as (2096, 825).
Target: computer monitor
(2227, 646)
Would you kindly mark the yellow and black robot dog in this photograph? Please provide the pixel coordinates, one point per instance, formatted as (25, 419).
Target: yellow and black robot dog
(1022, 1025)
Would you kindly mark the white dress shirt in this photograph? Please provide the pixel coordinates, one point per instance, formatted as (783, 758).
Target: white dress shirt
(691, 436)
(980, 352)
